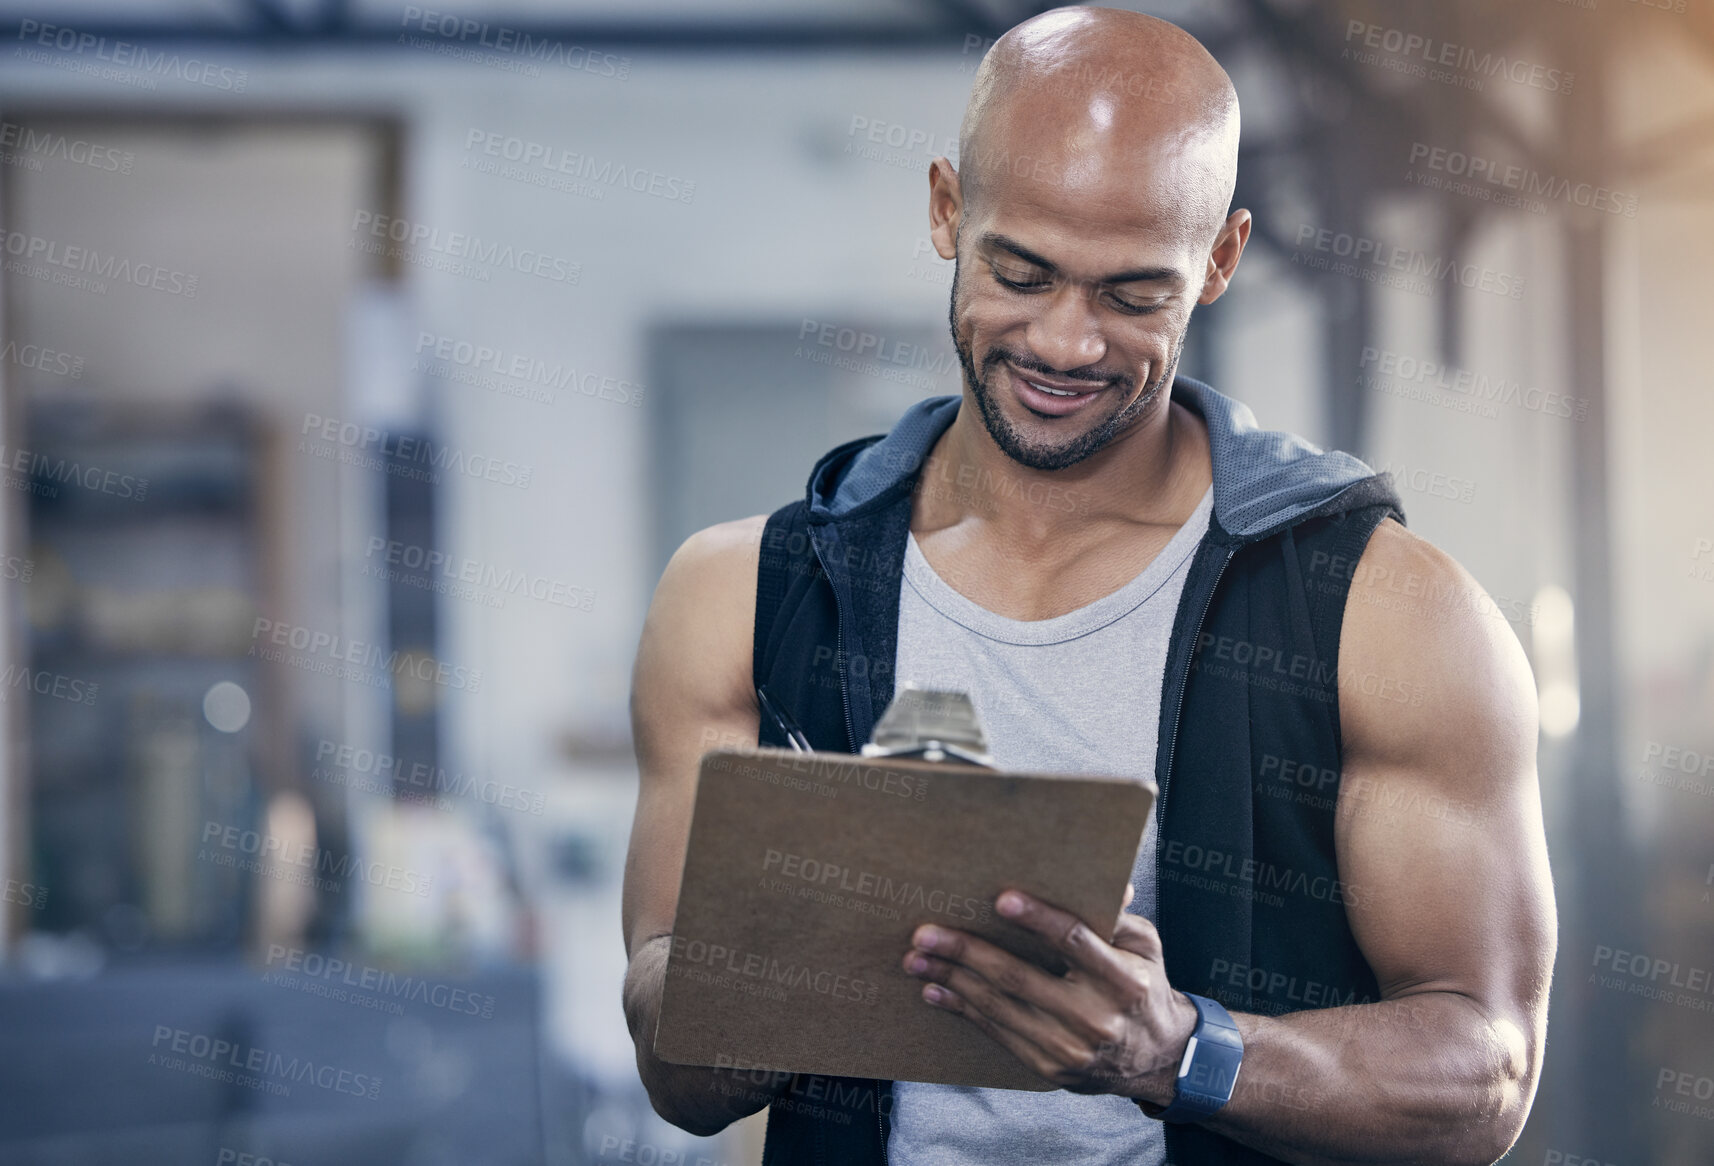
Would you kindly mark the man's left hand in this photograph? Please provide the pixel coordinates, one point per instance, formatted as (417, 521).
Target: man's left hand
(1111, 1024)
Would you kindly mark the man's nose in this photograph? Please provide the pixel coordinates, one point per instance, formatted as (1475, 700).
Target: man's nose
(1066, 335)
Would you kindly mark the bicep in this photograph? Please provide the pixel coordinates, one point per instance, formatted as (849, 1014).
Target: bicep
(1439, 824)
(690, 692)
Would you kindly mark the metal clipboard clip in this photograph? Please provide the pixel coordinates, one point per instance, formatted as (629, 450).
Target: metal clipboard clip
(933, 725)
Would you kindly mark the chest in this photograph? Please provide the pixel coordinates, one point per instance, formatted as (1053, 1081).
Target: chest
(1040, 582)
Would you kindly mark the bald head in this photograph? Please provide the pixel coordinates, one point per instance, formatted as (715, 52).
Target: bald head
(1104, 105)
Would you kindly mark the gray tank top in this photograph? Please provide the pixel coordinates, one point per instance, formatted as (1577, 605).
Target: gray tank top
(1079, 693)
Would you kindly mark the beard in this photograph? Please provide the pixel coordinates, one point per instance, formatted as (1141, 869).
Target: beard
(1050, 455)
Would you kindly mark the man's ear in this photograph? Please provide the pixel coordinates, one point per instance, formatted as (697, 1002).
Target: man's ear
(945, 207)
(1223, 260)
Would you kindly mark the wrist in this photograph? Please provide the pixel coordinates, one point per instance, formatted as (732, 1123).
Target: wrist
(1208, 1069)
(1154, 1091)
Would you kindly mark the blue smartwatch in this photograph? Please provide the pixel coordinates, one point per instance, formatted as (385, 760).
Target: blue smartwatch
(1210, 1066)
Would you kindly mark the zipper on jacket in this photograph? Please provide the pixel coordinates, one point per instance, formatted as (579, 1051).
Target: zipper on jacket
(1178, 723)
(838, 648)
(851, 739)
(881, 1123)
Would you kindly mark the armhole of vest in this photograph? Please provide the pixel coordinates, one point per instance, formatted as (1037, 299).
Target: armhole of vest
(772, 573)
(1355, 528)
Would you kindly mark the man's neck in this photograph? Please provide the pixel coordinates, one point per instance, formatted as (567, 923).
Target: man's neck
(1152, 475)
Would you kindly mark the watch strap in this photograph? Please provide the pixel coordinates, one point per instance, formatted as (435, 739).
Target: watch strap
(1209, 1068)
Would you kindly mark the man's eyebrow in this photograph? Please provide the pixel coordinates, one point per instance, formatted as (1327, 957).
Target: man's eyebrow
(1135, 275)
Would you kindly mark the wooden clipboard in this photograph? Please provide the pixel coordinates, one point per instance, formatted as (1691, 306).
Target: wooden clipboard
(806, 873)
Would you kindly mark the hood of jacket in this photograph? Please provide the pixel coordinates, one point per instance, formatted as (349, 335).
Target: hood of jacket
(1263, 480)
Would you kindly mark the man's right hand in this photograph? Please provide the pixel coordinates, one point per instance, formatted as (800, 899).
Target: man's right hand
(691, 691)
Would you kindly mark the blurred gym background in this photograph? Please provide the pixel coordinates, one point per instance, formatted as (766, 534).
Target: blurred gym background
(361, 363)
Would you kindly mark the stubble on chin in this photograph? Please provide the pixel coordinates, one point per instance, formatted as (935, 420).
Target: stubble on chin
(1059, 455)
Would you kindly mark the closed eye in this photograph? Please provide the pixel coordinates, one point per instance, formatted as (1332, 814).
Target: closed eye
(1035, 281)
(1018, 281)
(1130, 309)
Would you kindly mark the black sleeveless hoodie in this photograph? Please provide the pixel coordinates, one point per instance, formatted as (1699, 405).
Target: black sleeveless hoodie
(1251, 904)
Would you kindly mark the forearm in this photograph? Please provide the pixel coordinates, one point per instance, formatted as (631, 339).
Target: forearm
(701, 1101)
(1423, 1078)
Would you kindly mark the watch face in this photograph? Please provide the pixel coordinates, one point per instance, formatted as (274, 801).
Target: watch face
(1213, 1072)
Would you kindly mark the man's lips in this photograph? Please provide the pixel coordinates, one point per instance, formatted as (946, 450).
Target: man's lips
(1052, 396)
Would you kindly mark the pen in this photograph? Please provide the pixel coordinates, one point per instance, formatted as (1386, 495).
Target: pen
(782, 721)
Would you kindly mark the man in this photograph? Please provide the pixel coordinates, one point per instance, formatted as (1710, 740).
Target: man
(1130, 578)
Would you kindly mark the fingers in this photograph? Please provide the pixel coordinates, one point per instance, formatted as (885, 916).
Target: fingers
(1038, 1039)
(1005, 971)
(1008, 1038)
(1072, 937)
(987, 975)
(1138, 936)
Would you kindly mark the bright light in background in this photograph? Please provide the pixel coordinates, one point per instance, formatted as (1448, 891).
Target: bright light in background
(227, 706)
(1554, 652)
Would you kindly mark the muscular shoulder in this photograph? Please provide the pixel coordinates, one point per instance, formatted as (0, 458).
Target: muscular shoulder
(1429, 670)
(715, 559)
(694, 657)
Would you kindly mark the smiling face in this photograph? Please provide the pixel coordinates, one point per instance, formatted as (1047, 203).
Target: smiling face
(1086, 223)
(1063, 351)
